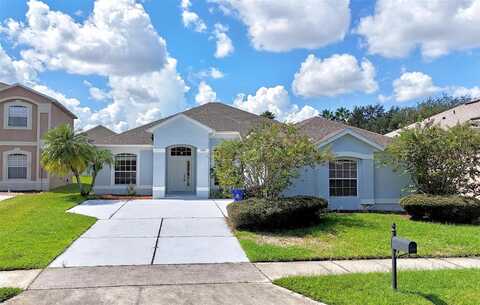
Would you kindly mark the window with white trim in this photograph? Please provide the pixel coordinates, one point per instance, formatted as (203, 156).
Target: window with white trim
(17, 166)
(17, 116)
(343, 179)
(125, 169)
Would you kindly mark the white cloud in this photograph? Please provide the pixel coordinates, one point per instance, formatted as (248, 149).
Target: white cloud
(437, 27)
(211, 72)
(473, 92)
(334, 75)
(275, 100)
(116, 34)
(96, 93)
(15, 71)
(285, 25)
(191, 19)
(412, 85)
(205, 94)
(224, 43)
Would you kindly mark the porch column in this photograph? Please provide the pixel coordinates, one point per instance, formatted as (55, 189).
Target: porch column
(203, 173)
(159, 170)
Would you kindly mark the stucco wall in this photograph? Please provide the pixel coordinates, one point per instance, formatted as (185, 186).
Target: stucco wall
(60, 117)
(104, 183)
(177, 131)
(28, 135)
(377, 185)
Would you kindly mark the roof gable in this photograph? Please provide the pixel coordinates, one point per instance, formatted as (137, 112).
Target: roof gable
(50, 99)
(175, 118)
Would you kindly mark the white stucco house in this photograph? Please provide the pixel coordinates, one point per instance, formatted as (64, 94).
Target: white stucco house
(173, 157)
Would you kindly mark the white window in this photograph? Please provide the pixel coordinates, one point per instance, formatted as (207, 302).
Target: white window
(17, 116)
(17, 166)
(343, 178)
(125, 169)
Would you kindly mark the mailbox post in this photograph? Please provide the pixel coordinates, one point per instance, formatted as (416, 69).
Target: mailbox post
(399, 245)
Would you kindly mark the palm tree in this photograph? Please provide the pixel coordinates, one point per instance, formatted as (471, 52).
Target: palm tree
(268, 114)
(66, 152)
(98, 159)
(328, 114)
(342, 114)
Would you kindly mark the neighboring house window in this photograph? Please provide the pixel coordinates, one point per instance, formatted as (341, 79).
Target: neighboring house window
(17, 116)
(125, 169)
(17, 166)
(343, 178)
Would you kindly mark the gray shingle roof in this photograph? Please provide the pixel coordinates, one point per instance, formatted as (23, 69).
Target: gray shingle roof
(217, 116)
(98, 132)
(319, 129)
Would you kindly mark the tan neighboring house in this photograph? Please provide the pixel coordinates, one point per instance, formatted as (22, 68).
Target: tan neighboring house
(25, 116)
(467, 112)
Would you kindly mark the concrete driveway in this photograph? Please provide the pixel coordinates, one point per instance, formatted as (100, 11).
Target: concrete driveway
(145, 232)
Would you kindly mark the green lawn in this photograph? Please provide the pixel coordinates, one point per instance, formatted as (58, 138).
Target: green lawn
(8, 293)
(440, 287)
(34, 228)
(359, 235)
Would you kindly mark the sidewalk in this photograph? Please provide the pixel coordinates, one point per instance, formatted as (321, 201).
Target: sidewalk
(278, 270)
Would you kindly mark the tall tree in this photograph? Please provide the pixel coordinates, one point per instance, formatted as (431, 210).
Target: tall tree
(342, 115)
(66, 152)
(268, 114)
(328, 114)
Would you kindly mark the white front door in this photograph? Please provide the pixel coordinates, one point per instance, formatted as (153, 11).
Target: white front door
(180, 170)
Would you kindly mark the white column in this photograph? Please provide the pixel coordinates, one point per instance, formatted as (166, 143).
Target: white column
(159, 172)
(203, 173)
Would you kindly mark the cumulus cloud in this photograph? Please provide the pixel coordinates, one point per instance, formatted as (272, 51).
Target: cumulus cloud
(437, 27)
(224, 43)
(210, 72)
(412, 85)
(191, 19)
(275, 100)
(335, 75)
(285, 25)
(473, 92)
(205, 94)
(115, 35)
(96, 93)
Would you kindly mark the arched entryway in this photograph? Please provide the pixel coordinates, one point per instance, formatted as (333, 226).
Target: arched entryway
(181, 169)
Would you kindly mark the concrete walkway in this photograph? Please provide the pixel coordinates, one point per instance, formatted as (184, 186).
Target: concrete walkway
(283, 269)
(145, 232)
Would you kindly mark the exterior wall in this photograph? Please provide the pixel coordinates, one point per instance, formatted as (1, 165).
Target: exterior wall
(177, 131)
(378, 186)
(43, 115)
(105, 183)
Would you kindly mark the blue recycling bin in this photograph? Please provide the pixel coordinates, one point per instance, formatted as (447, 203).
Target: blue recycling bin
(238, 194)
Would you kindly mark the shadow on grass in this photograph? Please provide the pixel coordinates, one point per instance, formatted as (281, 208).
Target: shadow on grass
(434, 299)
(330, 223)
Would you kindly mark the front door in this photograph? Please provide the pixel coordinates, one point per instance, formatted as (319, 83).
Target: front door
(180, 169)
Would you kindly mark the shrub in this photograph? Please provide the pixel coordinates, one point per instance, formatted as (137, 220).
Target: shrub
(453, 209)
(256, 213)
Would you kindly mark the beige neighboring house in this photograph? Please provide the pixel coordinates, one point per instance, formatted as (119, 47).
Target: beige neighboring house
(467, 112)
(25, 116)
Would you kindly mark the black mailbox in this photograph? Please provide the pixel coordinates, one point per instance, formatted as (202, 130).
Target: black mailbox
(404, 245)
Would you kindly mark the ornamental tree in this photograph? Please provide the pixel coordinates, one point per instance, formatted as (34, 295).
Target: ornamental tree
(439, 161)
(266, 161)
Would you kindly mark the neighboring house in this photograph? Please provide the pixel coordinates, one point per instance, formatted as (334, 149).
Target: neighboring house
(467, 112)
(98, 132)
(173, 157)
(25, 116)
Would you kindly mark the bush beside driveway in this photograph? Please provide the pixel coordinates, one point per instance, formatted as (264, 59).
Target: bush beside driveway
(35, 228)
(356, 236)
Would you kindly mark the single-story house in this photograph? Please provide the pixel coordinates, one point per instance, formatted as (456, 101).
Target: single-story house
(173, 157)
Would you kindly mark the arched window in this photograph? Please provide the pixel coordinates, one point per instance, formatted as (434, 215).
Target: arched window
(125, 169)
(180, 151)
(343, 179)
(17, 166)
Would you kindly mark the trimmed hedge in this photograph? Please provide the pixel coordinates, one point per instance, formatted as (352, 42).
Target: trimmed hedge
(282, 213)
(452, 209)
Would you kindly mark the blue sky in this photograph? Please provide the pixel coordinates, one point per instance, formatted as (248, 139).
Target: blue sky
(125, 63)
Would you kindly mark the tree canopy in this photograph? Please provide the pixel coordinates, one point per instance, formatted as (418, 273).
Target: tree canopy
(265, 161)
(439, 161)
